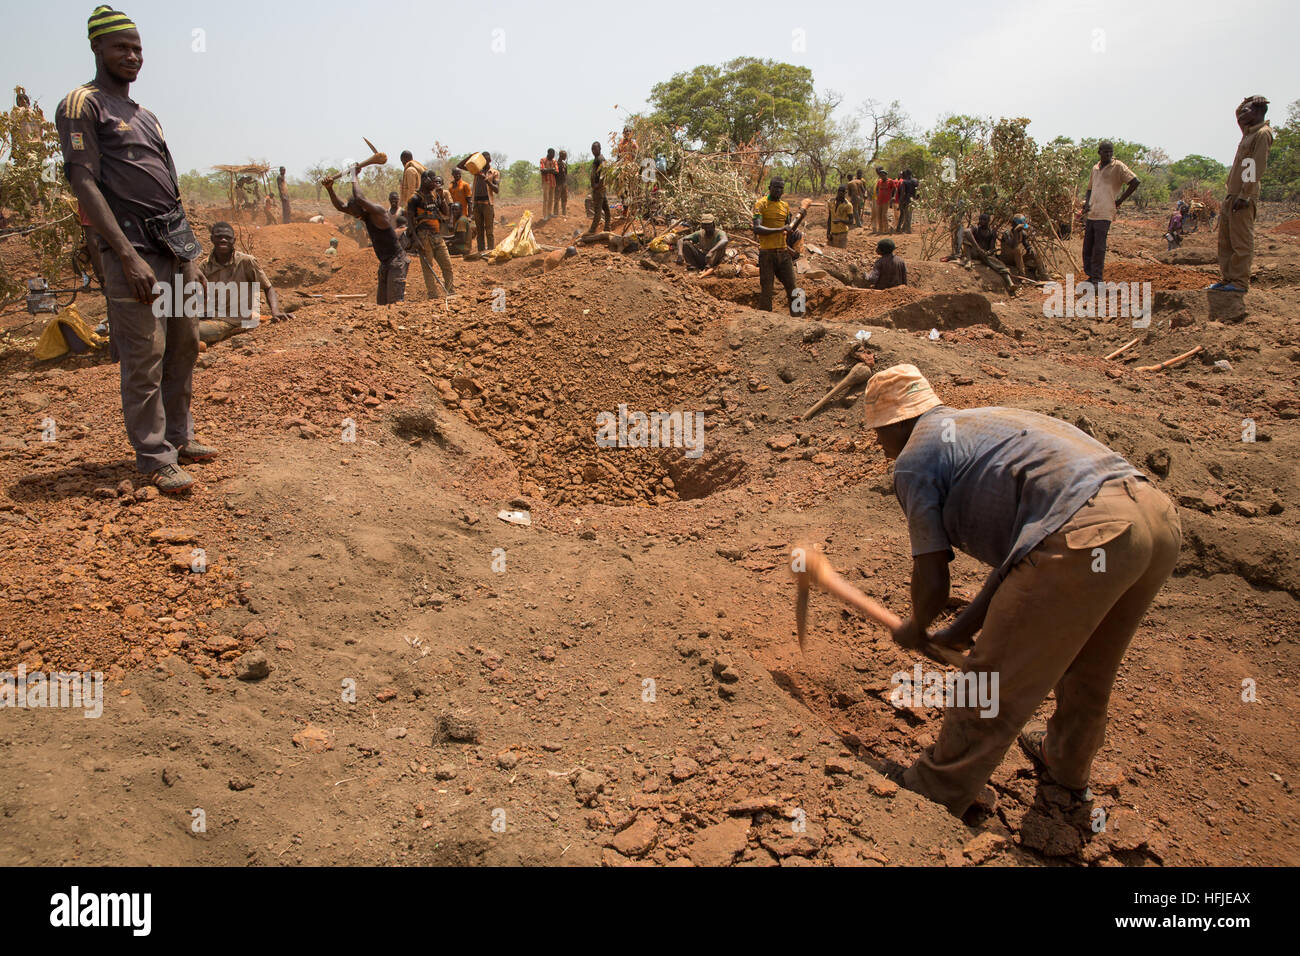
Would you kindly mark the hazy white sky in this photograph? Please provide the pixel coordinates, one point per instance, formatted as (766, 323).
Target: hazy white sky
(297, 81)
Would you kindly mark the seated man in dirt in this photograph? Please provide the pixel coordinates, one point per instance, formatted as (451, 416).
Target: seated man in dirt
(382, 232)
(1050, 509)
(705, 247)
(1174, 234)
(235, 280)
(886, 272)
(1018, 250)
(978, 244)
(462, 233)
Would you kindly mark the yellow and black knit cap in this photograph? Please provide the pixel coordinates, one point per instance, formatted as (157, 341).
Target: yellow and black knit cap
(106, 20)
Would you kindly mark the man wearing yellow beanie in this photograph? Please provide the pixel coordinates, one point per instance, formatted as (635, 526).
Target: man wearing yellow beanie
(119, 166)
(1080, 543)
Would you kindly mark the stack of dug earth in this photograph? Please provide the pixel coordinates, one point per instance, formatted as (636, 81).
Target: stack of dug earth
(571, 345)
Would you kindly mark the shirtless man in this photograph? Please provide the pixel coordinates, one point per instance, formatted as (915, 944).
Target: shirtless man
(382, 229)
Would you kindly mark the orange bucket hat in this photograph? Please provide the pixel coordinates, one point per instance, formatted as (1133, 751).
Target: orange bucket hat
(896, 394)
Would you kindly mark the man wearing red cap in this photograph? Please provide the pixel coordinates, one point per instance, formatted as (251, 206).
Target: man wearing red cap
(1080, 543)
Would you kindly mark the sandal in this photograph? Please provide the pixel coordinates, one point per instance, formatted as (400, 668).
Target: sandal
(1032, 742)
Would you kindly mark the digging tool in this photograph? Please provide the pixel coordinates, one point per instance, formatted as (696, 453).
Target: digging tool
(857, 375)
(1123, 348)
(818, 572)
(376, 158)
(1176, 360)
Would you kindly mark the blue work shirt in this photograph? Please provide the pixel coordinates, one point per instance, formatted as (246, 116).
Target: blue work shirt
(994, 482)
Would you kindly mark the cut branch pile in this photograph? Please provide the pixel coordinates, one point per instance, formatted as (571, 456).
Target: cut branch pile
(663, 181)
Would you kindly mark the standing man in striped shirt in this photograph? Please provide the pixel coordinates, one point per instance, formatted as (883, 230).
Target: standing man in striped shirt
(117, 161)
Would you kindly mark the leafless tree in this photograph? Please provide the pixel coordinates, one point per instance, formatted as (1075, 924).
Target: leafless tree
(882, 123)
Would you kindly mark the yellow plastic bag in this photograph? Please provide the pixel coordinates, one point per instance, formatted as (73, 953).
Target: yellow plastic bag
(663, 243)
(518, 244)
(67, 326)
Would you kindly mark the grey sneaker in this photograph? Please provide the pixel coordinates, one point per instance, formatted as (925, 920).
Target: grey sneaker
(196, 451)
(172, 479)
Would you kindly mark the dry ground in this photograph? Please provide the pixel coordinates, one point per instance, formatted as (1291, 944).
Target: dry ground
(622, 674)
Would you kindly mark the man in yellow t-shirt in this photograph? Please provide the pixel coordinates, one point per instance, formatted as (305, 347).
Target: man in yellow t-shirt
(771, 225)
(839, 220)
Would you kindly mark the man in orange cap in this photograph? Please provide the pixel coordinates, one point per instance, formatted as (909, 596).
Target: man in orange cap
(1080, 543)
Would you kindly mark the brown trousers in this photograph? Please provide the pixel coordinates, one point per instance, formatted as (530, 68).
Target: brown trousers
(483, 225)
(1236, 243)
(1062, 618)
(433, 248)
(157, 358)
(548, 199)
(562, 197)
(880, 217)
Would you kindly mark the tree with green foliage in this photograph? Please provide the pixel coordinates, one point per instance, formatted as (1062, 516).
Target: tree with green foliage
(881, 123)
(906, 152)
(1282, 175)
(955, 133)
(818, 142)
(746, 101)
(520, 174)
(41, 214)
(1201, 169)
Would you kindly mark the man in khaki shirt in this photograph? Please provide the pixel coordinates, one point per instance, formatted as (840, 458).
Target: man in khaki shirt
(857, 189)
(411, 173)
(236, 282)
(1237, 218)
(1100, 205)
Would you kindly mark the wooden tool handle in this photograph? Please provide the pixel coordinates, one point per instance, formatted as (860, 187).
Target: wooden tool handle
(818, 572)
(826, 578)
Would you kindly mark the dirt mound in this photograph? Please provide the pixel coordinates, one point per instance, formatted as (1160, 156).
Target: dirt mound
(1289, 228)
(823, 301)
(1160, 276)
(294, 254)
(603, 338)
(945, 312)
